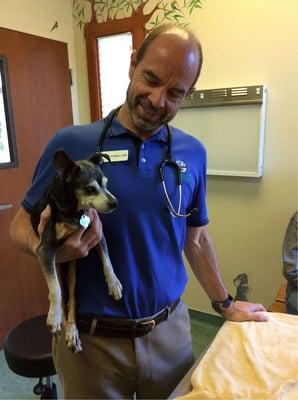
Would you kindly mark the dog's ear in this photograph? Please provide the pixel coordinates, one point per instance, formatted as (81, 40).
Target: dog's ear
(97, 158)
(62, 162)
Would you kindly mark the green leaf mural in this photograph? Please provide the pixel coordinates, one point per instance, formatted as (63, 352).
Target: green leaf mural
(155, 11)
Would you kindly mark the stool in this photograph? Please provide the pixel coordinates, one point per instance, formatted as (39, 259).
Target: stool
(28, 352)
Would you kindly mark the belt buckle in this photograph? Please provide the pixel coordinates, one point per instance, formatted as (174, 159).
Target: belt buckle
(152, 322)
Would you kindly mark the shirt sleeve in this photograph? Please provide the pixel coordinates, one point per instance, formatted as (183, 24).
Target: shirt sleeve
(200, 215)
(43, 175)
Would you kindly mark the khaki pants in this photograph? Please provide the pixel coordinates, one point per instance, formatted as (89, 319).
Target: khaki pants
(147, 367)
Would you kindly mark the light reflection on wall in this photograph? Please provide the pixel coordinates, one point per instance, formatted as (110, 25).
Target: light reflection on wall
(4, 145)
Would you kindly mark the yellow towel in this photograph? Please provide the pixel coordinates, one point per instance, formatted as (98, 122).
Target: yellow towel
(250, 360)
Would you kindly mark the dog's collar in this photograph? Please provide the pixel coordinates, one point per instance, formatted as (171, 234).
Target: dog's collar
(79, 218)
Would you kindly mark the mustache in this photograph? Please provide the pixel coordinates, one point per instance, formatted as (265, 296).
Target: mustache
(147, 105)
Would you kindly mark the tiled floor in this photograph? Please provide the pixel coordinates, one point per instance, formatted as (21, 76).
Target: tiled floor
(204, 328)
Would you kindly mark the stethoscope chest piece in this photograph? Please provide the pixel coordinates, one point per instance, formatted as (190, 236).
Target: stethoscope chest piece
(182, 166)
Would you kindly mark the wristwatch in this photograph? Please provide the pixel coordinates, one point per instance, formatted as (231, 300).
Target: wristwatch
(221, 306)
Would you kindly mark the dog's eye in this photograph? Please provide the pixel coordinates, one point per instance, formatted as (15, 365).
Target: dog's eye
(90, 189)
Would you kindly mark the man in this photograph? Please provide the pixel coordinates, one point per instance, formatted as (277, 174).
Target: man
(145, 237)
(290, 264)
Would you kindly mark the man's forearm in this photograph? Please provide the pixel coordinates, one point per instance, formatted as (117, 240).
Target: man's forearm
(22, 233)
(200, 253)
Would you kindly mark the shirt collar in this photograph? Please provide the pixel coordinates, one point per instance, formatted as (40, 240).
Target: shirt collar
(117, 129)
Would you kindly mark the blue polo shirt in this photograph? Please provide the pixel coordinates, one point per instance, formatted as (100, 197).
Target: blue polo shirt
(145, 242)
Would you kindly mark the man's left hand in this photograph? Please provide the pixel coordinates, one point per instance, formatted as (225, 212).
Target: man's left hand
(242, 311)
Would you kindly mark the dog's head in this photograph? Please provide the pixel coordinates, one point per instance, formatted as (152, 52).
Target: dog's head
(85, 181)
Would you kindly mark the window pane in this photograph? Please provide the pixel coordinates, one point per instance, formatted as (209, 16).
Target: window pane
(114, 60)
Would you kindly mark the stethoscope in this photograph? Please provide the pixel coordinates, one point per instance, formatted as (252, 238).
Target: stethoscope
(179, 168)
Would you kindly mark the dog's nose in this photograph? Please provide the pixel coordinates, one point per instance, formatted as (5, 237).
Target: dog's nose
(113, 204)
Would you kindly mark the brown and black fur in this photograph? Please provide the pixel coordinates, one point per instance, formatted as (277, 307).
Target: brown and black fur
(77, 187)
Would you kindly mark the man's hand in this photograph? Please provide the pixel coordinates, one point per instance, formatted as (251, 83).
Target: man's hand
(242, 311)
(78, 244)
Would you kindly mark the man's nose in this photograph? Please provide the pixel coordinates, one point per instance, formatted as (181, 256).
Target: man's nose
(157, 98)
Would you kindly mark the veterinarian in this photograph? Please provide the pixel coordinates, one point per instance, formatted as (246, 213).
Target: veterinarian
(147, 348)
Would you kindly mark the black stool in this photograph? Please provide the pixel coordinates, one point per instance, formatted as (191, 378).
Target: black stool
(28, 352)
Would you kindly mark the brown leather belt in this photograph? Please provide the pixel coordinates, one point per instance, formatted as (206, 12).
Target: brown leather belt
(128, 328)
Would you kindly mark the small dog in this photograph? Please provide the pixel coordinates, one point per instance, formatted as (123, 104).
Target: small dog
(242, 288)
(77, 187)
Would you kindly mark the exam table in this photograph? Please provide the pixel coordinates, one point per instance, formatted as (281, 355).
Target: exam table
(247, 360)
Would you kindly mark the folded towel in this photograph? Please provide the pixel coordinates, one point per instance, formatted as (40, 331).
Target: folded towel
(250, 360)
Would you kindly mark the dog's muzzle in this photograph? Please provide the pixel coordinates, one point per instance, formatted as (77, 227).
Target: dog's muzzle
(126, 328)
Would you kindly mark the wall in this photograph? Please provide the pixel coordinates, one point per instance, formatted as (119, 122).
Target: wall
(81, 65)
(246, 43)
(37, 17)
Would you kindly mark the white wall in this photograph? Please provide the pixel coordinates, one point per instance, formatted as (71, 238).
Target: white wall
(37, 18)
(245, 43)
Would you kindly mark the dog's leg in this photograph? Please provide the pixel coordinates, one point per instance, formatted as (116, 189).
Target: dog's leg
(114, 285)
(71, 331)
(46, 253)
(61, 269)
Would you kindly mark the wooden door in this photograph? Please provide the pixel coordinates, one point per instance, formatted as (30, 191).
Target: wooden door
(41, 103)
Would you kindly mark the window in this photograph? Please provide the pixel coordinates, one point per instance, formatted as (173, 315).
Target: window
(113, 72)
(107, 64)
(8, 153)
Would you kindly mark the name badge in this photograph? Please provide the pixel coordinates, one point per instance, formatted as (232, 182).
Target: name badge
(116, 155)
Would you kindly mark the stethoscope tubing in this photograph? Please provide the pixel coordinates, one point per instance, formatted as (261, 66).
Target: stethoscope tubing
(169, 161)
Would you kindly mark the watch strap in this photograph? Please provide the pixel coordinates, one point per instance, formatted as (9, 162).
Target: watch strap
(221, 306)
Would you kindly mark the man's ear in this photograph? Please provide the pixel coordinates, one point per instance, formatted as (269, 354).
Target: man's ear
(133, 63)
(62, 162)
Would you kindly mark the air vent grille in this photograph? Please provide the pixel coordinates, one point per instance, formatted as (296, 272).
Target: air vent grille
(225, 96)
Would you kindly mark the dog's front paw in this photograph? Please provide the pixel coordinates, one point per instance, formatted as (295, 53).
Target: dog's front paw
(72, 337)
(115, 287)
(54, 320)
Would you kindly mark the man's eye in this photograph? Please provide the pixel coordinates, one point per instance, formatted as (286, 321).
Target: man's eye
(150, 81)
(176, 96)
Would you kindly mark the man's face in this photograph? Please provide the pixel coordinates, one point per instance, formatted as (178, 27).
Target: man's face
(160, 82)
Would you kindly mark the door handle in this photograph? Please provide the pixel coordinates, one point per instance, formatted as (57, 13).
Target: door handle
(5, 206)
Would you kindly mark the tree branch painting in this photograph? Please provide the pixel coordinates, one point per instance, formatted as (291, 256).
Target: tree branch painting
(155, 12)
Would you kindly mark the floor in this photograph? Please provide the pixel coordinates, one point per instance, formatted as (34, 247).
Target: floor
(204, 328)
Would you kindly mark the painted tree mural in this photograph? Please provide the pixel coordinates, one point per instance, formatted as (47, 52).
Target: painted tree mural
(155, 12)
